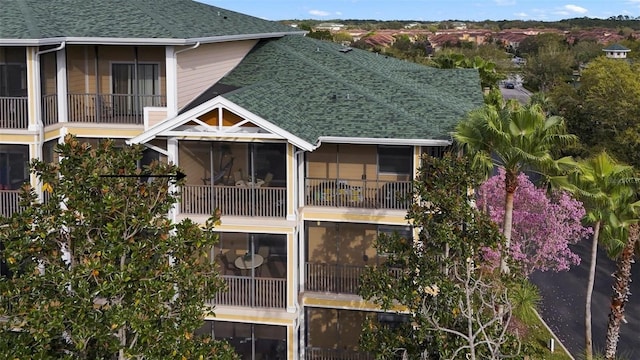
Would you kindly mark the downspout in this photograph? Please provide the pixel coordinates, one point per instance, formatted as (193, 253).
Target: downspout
(171, 57)
(40, 122)
(197, 44)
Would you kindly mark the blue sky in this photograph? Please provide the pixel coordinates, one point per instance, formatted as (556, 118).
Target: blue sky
(427, 10)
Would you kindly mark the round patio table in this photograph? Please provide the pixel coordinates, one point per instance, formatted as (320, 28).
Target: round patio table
(250, 263)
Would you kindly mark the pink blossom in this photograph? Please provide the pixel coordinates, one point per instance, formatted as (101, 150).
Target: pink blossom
(543, 226)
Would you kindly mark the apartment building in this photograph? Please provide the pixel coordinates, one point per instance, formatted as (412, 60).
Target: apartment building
(303, 145)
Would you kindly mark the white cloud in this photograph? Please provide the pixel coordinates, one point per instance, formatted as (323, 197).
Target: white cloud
(575, 9)
(505, 2)
(319, 13)
(521, 14)
(339, 13)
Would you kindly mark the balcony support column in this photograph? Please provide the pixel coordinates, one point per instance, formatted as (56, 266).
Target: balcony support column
(61, 85)
(172, 81)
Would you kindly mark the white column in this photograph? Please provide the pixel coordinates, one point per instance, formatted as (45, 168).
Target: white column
(172, 81)
(172, 158)
(61, 85)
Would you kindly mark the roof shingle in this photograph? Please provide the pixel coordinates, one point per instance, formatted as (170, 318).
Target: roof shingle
(312, 89)
(129, 19)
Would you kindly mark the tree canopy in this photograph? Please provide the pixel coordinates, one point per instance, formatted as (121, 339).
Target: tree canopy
(452, 307)
(98, 270)
(543, 225)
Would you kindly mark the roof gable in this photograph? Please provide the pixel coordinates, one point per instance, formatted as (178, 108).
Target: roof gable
(218, 118)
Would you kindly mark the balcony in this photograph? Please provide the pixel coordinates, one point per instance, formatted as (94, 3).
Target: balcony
(262, 292)
(111, 108)
(313, 353)
(334, 278)
(368, 194)
(14, 112)
(9, 202)
(234, 200)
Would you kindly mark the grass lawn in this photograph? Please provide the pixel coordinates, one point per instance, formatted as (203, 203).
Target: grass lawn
(537, 339)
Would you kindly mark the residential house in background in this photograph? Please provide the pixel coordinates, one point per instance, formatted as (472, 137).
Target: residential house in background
(305, 146)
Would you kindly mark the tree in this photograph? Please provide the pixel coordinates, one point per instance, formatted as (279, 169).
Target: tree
(624, 228)
(599, 181)
(543, 226)
(552, 64)
(98, 271)
(603, 111)
(454, 309)
(489, 77)
(515, 138)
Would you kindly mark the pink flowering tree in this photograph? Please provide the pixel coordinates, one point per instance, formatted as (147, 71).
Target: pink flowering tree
(543, 225)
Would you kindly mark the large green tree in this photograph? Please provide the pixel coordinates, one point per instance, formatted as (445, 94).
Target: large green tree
(454, 308)
(98, 270)
(514, 137)
(603, 111)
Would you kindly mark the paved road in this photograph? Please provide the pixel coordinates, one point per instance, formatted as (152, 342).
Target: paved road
(564, 298)
(519, 93)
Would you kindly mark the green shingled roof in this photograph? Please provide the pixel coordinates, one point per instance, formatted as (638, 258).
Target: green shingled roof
(141, 19)
(312, 89)
(616, 47)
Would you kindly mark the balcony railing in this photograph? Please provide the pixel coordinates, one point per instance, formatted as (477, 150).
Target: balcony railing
(253, 292)
(49, 109)
(314, 353)
(9, 202)
(336, 278)
(14, 113)
(234, 200)
(111, 108)
(371, 194)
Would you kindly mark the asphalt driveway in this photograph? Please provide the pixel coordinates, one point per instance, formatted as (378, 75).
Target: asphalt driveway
(564, 300)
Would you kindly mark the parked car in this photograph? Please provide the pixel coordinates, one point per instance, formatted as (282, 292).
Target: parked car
(509, 85)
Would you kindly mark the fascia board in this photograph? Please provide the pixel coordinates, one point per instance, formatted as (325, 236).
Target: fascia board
(380, 141)
(142, 41)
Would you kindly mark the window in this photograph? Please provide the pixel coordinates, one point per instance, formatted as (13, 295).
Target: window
(395, 159)
(131, 96)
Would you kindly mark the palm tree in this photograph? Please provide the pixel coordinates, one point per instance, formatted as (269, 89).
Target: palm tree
(517, 138)
(598, 181)
(624, 229)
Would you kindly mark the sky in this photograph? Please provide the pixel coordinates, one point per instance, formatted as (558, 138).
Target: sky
(430, 10)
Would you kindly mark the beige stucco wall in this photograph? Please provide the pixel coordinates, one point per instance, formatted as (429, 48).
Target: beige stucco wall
(200, 68)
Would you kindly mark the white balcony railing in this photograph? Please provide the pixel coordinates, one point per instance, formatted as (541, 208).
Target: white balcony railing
(49, 109)
(111, 108)
(234, 200)
(14, 113)
(336, 278)
(9, 202)
(372, 194)
(253, 292)
(314, 353)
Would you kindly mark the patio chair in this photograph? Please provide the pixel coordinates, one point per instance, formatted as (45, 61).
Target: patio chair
(264, 252)
(227, 260)
(267, 179)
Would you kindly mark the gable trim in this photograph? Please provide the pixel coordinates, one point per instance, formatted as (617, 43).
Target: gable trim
(167, 127)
